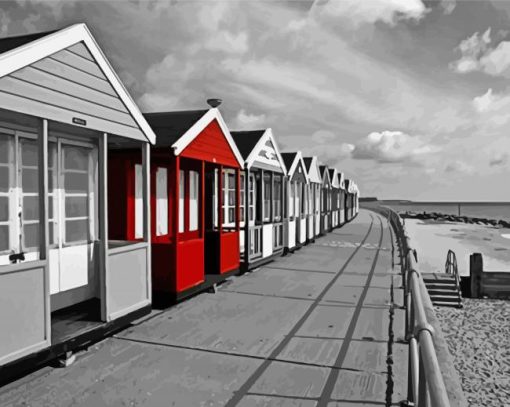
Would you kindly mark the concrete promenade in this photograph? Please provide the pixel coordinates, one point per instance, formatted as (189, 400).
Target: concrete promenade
(321, 327)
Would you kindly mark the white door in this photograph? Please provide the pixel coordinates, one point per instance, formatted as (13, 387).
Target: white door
(72, 214)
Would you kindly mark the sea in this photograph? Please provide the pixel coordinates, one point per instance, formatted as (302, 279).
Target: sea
(488, 210)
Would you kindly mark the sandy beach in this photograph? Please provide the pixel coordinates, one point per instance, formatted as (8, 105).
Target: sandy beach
(432, 239)
(478, 337)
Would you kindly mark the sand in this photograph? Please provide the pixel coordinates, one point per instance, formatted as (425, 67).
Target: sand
(432, 239)
(478, 337)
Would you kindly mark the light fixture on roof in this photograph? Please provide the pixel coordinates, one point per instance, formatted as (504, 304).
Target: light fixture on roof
(214, 102)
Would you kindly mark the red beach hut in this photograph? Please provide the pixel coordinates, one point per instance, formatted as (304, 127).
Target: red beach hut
(195, 169)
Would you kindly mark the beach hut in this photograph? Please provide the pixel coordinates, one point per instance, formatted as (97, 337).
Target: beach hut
(341, 198)
(297, 198)
(262, 197)
(64, 280)
(325, 200)
(314, 196)
(195, 170)
(335, 196)
(348, 200)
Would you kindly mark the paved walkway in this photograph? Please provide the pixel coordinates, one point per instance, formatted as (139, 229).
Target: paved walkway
(320, 327)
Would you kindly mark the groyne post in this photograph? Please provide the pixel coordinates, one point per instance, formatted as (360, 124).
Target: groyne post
(475, 274)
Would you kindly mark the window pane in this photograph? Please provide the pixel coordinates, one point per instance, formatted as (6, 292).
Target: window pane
(76, 206)
(181, 200)
(30, 208)
(76, 158)
(4, 179)
(4, 238)
(231, 198)
(29, 179)
(161, 202)
(193, 200)
(29, 152)
(52, 182)
(138, 201)
(231, 215)
(5, 146)
(76, 230)
(4, 208)
(76, 182)
(53, 232)
(31, 236)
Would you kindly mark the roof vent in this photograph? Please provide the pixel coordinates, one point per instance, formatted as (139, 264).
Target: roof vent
(214, 102)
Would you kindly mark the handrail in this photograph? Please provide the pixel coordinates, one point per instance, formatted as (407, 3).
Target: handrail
(426, 385)
(450, 267)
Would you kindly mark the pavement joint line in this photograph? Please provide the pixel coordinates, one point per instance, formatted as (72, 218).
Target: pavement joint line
(246, 386)
(281, 396)
(269, 295)
(361, 402)
(328, 338)
(329, 386)
(302, 270)
(226, 353)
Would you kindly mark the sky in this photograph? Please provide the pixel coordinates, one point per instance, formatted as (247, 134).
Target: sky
(409, 98)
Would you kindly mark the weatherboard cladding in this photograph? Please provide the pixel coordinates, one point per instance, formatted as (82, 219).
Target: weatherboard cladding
(299, 173)
(66, 85)
(325, 175)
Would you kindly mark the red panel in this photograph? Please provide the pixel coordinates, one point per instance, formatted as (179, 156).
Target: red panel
(211, 145)
(190, 264)
(229, 247)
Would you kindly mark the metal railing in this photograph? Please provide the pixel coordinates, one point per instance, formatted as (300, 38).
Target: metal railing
(450, 267)
(426, 386)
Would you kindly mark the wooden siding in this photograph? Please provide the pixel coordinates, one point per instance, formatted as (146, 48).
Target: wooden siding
(299, 173)
(211, 146)
(66, 85)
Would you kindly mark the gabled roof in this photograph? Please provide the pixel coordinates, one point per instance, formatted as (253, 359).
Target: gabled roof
(348, 185)
(341, 180)
(333, 176)
(324, 173)
(312, 169)
(292, 161)
(247, 140)
(179, 129)
(19, 52)
(252, 142)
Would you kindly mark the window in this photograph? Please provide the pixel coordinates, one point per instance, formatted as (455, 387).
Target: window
(7, 199)
(193, 200)
(309, 191)
(297, 199)
(78, 183)
(161, 201)
(229, 198)
(243, 199)
(291, 200)
(53, 195)
(267, 197)
(252, 199)
(277, 198)
(317, 198)
(182, 184)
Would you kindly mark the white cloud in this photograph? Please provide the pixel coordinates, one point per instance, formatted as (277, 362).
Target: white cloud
(477, 55)
(458, 166)
(485, 102)
(225, 41)
(448, 6)
(248, 121)
(391, 147)
(157, 102)
(358, 12)
(472, 50)
(4, 22)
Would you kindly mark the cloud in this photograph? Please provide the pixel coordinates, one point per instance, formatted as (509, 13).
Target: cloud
(472, 50)
(5, 20)
(494, 109)
(499, 159)
(448, 6)
(459, 167)
(391, 147)
(248, 121)
(358, 12)
(478, 56)
(227, 42)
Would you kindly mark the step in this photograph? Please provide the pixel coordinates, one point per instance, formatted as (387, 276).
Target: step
(441, 291)
(449, 287)
(447, 304)
(444, 298)
(439, 280)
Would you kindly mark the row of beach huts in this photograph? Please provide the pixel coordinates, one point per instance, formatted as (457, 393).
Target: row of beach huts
(104, 209)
